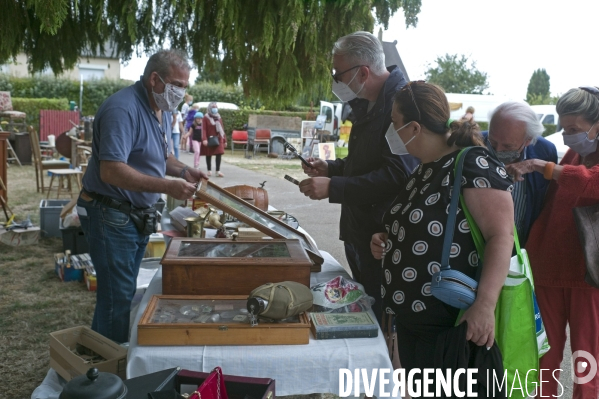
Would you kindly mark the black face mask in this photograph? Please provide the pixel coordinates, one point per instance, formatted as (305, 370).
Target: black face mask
(507, 157)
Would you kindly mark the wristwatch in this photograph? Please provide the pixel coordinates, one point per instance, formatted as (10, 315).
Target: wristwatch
(182, 174)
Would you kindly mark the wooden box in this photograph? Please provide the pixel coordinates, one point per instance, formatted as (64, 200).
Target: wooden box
(257, 218)
(192, 320)
(198, 266)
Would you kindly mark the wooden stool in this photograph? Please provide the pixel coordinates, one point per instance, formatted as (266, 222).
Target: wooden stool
(62, 174)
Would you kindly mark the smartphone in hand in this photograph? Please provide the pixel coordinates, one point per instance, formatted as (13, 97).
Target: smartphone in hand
(296, 154)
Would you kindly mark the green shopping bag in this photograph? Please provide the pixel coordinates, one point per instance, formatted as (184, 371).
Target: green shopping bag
(519, 329)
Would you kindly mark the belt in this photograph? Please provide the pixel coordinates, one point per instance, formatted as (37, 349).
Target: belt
(122, 206)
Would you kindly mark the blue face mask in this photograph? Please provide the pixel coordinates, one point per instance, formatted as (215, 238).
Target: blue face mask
(214, 110)
(580, 142)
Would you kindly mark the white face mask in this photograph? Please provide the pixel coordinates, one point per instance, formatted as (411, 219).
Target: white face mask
(171, 98)
(580, 142)
(343, 91)
(395, 142)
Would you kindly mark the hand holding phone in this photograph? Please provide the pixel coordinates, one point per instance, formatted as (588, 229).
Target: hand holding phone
(292, 149)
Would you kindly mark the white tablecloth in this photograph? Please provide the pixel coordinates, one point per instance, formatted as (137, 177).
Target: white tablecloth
(297, 369)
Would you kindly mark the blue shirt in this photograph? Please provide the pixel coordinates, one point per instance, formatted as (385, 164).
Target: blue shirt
(126, 129)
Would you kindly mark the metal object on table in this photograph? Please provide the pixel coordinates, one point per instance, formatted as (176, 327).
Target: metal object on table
(195, 226)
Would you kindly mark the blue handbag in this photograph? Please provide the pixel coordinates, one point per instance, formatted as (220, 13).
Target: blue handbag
(451, 286)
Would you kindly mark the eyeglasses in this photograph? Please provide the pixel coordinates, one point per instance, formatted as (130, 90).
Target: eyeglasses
(336, 76)
(409, 86)
(590, 89)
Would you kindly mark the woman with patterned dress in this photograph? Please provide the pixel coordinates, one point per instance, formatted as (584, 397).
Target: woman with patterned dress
(415, 224)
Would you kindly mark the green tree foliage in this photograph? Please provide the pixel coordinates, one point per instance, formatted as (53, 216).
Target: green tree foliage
(210, 73)
(456, 75)
(275, 49)
(538, 88)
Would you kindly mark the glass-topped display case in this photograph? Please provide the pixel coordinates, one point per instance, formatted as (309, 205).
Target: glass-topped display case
(205, 266)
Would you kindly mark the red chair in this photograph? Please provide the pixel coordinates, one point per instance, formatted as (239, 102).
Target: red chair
(262, 137)
(238, 137)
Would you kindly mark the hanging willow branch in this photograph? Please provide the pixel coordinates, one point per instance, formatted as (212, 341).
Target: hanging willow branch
(275, 49)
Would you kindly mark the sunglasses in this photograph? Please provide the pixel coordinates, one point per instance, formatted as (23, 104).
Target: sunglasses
(336, 76)
(409, 88)
(590, 89)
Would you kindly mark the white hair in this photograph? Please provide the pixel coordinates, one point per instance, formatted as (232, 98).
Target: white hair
(521, 112)
(363, 48)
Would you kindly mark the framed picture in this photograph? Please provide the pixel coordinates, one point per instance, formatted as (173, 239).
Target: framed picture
(326, 151)
(256, 218)
(296, 142)
(308, 129)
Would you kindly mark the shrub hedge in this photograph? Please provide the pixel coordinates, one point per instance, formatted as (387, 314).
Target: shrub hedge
(32, 107)
(94, 91)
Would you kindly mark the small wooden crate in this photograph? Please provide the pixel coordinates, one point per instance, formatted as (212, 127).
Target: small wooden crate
(181, 329)
(197, 266)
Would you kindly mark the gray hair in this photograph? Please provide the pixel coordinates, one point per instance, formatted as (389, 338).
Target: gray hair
(579, 102)
(521, 112)
(362, 48)
(162, 61)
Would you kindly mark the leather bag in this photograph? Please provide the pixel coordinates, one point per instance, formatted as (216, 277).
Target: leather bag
(253, 195)
(451, 286)
(212, 388)
(213, 141)
(587, 223)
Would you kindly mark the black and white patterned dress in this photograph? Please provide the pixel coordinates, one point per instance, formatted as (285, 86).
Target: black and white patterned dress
(416, 223)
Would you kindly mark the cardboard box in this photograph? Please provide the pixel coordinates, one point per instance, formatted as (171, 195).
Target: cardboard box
(68, 364)
(90, 281)
(156, 246)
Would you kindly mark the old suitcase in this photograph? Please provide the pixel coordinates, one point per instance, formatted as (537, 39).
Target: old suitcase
(214, 320)
(197, 266)
(237, 387)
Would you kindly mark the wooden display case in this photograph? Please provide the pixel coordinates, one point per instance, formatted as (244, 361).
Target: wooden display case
(257, 218)
(214, 320)
(198, 266)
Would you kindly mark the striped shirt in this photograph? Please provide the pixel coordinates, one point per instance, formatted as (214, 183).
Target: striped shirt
(519, 197)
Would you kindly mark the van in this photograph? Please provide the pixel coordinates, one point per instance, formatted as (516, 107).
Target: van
(483, 104)
(547, 115)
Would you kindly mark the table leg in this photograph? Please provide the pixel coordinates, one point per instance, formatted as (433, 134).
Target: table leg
(60, 183)
(50, 187)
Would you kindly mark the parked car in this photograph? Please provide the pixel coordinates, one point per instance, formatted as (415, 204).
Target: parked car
(547, 115)
(558, 140)
(220, 105)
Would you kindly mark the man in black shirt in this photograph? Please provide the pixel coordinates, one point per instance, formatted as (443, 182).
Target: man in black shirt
(370, 177)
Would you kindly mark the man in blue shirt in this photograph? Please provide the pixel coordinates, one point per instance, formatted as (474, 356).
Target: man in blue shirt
(369, 178)
(124, 179)
(515, 134)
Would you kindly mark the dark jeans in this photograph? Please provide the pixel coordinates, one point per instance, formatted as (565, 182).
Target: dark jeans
(116, 249)
(209, 162)
(367, 271)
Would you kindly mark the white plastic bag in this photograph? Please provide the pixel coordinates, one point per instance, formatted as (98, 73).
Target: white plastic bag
(72, 219)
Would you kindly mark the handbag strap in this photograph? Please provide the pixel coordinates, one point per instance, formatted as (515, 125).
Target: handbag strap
(479, 241)
(455, 196)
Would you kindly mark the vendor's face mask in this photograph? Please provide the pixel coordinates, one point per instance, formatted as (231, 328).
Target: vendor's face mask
(170, 99)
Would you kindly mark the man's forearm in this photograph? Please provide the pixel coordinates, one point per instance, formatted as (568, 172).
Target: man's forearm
(174, 166)
(123, 176)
